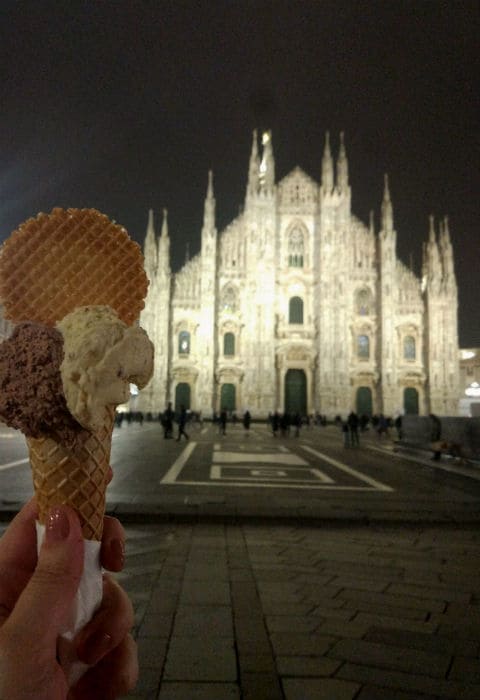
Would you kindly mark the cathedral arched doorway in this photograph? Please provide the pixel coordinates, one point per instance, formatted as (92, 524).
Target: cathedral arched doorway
(228, 397)
(296, 392)
(182, 396)
(364, 403)
(410, 401)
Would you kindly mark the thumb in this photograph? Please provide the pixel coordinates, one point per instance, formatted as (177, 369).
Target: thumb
(43, 608)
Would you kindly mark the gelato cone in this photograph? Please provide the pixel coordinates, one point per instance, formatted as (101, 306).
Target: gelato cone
(74, 282)
(74, 474)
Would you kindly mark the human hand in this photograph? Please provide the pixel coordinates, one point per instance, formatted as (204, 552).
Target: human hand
(35, 599)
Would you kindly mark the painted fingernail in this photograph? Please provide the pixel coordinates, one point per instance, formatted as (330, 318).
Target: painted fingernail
(95, 648)
(118, 551)
(57, 527)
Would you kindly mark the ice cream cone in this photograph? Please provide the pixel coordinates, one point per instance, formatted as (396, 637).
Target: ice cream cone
(74, 475)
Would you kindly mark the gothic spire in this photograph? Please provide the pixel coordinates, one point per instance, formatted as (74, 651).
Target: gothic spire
(267, 164)
(253, 168)
(150, 248)
(342, 166)
(164, 233)
(387, 209)
(327, 166)
(164, 246)
(209, 207)
(372, 222)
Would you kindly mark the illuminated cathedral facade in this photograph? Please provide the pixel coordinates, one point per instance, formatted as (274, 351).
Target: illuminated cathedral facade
(297, 305)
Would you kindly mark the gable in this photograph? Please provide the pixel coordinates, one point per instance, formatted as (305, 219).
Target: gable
(297, 189)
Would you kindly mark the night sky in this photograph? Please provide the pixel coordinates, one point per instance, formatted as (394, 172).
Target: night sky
(125, 106)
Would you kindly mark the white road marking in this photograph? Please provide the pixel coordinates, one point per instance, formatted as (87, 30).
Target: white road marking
(348, 470)
(172, 474)
(13, 464)
(275, 458)
(278, 485)
(220, 471)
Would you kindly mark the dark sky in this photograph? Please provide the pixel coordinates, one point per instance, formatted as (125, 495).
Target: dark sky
(125, 106)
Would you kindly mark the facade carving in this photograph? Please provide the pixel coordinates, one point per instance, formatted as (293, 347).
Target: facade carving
(298, 305)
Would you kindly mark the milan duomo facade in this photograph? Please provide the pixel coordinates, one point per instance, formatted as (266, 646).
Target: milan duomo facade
(299, 306)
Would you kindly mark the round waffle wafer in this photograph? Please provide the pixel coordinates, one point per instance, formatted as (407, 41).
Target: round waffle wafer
(55, 262)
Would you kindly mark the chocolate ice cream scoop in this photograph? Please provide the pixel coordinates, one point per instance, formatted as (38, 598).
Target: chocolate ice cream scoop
(31, 392)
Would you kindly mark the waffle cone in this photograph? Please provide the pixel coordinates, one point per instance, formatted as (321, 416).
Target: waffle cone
(56, 262)
(75, 475)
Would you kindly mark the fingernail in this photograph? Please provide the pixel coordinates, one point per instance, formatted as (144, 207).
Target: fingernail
(118, 551)
(95, 647)
(57, 526)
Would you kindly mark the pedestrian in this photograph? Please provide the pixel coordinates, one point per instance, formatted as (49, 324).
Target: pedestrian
(167, 422)
(182, 421)
(275, 423)
(247, 419)
(346, 434)
(297, 422)
(382, 426)
(353, 421)
(435, 435)
(223, 422)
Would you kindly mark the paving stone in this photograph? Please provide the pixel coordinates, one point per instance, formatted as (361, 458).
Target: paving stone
(285, 643)
(198, 691)
(148, 681)
(370, 692)
(254, 662)
(156, 626)
(306, 665)
(200, 659)
(393, 622)
(151, 652)
(466, 669)
(316, 689)
(425, 642)
(198, 620)
(351, 629)
(386, 656)
(409, 682)
(292, 623)
(260, 685)
(205, 593)
(431, 592)
(390, 601)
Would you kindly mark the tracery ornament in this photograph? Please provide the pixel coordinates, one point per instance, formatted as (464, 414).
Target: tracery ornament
(296, 247)
(364, 302)
(229, 299)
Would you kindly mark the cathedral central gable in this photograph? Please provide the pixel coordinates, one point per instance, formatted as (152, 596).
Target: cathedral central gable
(297, 190)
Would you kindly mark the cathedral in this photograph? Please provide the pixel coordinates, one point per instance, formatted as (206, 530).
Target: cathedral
(298, 306)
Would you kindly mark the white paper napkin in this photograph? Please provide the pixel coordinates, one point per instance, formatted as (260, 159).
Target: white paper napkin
(87, 600)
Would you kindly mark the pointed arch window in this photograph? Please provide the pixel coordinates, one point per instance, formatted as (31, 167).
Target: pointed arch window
(409, 348)
(363, 347)
(229, 299)
(184, 343)
(229, 344)
(363, 302)
(296, 246)
(295, 310)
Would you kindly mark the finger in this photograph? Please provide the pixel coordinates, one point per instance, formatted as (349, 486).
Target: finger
(112, 552)
(43, 608)
(114, 676)
(108, 627)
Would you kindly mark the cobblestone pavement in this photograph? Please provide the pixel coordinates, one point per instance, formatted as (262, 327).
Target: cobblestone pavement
(300, 613)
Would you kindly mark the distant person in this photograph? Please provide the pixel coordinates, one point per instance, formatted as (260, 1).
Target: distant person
(275, 423)
(382, 426)
(353, 422)
(345, 433)
(247, 419)
(182, 421)
(223, 422)
(167, 422)
(435, 436)
(297, 422)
